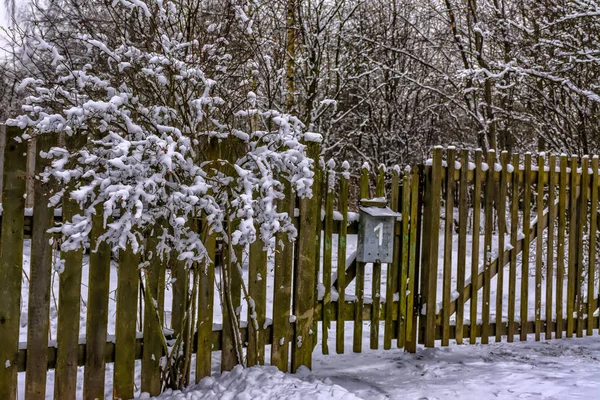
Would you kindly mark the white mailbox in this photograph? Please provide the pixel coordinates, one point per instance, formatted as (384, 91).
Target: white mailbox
(376, 231)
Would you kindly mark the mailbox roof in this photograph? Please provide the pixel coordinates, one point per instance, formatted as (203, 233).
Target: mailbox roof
(380, 212)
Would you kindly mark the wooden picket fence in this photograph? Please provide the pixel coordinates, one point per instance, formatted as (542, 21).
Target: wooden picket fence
(309, 288)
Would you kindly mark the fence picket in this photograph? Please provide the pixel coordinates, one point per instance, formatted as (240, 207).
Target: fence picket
(11, 259)
(376, 282)
(487, 246)
(591, 296)
(341, 261)
(581, 230)
(360, 274)
(69, 301)
(572, 259)
(525, 254)
(514, 232)
(550, 245)
(283, 288)
(206, 295)
(69, 295)
(396, 276)
(434, 192)
(501, 240)
(97, 310)
(125, 329)
(463, 216)
(304, 278)
(154, 287)
(448, 233)
(560, 248)
(538, 249)
(328, 254)
(412, 305)
(475, 248)
(38, 318)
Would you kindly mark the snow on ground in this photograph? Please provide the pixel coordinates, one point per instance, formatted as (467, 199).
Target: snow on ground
(557, 369)
(260, 383)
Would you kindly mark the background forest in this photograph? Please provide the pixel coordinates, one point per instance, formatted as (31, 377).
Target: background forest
(382, 80)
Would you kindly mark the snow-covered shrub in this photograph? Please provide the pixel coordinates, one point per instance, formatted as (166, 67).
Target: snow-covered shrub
(146, 89)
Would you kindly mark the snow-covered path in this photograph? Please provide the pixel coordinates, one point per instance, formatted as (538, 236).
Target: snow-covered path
(557, 369)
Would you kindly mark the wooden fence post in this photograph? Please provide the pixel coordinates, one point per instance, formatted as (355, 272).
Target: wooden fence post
(305, 284)
(572, 260)
(283, 286)
(514, 232)
(206, 295)
(560, 248)
(527, 243)
(434, 193)
(341, 264)
(501, 241)
(550, 246)
(376, 282)
(125, 329)
(11, 259)
(69, 300)
(591, 303)
(330, 193)
(360, 273)
(38, 318)
(396, 275)
(154, 286)
(448, 233)
(463, 217)
(538, 249)
(475, 248)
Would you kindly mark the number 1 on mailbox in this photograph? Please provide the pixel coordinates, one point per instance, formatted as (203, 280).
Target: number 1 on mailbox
(376, 232)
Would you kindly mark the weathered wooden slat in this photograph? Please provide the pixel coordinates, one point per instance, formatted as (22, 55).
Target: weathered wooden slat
(97, 310)
(282, 295)
(538, 252)
(501, 206)
(229, 356)
(396, 275)
(69, 304)
(550, 247)
(376, 282)
(154, 287)
(463, 216)
(591, 273)
(426, 236)
(206, 295)
(360, 272)
(304, 278)
(341, 262)
(328, 254)
(514, 232)
(487, 248)
(560, 248)
(38, 317)
(125, 329)
(414, 237)
(448, 234)
(582, 226)
(11, 259)
(572, 260)
(475, 235)
(525, 251)
(434, 191)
